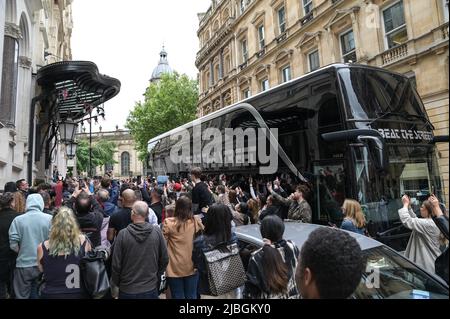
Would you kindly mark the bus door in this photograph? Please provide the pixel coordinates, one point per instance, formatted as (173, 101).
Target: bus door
(329, 191)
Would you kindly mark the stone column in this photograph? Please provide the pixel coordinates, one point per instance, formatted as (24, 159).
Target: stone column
(360, 52)
(211, 73)
(221, 64)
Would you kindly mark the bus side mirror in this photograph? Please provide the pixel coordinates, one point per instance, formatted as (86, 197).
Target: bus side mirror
(441, 139)
(377, 150)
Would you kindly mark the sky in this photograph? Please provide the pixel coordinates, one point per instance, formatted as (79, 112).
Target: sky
(124, 39)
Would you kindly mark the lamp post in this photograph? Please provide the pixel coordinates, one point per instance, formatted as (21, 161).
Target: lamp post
(71, 150)
(68, 129)
(90, 144)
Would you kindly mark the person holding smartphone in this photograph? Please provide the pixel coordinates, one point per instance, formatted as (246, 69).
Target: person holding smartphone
(441, 221)
(423, 245)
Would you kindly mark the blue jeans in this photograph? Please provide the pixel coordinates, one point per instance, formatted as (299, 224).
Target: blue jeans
(184, 287)
(145, 295)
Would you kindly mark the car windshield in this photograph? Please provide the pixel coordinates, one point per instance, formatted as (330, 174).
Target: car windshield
(390, 276)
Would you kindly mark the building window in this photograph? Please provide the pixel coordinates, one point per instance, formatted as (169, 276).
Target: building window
(243, 5)
(227, 66)
(445, 10)
(348, 47)
(9, 81)
(109, 168)
(216, 73)
(125, 164)
(307, 6)
(394, 25)
(286, 74)
(244, 48)
(246, 93)
(282, 19)
(207, 81)
(264, 85)
(261, 37)
(313, 60)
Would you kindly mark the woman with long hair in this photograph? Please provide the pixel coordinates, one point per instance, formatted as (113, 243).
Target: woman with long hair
(179, 232)
(271, 270)
(218, 230)
(241, 215)
(59, 257)
(253, 208)
(354, 219)
(423, 246)
(19, 203)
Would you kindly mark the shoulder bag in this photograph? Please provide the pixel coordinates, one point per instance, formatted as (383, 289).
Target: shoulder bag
(225, 269)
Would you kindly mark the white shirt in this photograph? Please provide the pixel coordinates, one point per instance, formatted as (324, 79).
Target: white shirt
(152, 219)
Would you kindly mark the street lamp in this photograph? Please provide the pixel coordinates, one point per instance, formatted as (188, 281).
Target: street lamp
(67, 130)
(71, 150)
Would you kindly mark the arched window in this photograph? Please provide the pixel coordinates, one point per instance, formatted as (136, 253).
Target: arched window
(109, 167)
(125, 164)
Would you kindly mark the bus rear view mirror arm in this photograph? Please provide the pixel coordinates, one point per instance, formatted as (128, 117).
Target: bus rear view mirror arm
(350, 135)
(440, 139)
(370, 138)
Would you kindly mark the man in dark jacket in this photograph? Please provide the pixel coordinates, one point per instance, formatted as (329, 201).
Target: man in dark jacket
(154, 201)
(7, 256)
(122, 218)
(139, 257)
(201, 196)
(89, 216)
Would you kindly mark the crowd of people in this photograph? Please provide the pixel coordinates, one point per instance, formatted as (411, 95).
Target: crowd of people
(154, 230)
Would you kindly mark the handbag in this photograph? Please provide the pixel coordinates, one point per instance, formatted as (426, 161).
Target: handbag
(93, 273)
(225, 269)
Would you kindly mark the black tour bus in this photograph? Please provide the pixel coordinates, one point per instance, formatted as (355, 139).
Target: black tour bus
(350, 131)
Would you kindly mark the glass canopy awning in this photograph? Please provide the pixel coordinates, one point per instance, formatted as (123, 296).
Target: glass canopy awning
(74, 88)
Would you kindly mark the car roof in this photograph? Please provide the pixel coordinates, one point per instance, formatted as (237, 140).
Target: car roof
(298, 233)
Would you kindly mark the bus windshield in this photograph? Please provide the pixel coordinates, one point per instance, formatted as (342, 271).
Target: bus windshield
(371, 94)
(413, 171)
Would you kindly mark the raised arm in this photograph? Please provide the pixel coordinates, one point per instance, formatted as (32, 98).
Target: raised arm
(410, 220)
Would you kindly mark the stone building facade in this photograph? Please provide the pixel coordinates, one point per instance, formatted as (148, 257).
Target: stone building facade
(127, 163)
(33, 33)
(248, 46)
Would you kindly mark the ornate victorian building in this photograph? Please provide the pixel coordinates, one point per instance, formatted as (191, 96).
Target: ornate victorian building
(33, 33)
(127, 163)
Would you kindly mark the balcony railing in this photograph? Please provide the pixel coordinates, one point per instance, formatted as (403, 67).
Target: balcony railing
(261, 53)
(282, 37)
(395, 53)
(243, 65)
(444, 30)
(307, 18)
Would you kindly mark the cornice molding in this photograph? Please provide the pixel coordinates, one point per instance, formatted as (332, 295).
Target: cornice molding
(13, 30)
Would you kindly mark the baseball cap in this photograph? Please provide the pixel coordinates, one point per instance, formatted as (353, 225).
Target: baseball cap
(177, 187)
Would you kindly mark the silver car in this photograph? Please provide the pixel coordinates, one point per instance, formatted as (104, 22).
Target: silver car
(388, 274)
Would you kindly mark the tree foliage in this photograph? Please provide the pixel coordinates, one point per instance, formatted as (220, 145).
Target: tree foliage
(102, 154)
(168, 104)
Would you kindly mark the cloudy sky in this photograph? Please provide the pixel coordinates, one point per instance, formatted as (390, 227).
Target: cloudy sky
(124, 39)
